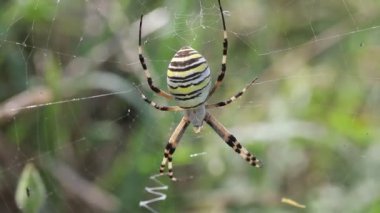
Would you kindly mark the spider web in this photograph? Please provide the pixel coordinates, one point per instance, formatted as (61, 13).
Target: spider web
(68, 105)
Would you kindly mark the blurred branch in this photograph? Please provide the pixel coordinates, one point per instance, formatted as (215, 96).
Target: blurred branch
(80, 188)
(279, 131)
(72, 182)
(41, 95)
(24, 100)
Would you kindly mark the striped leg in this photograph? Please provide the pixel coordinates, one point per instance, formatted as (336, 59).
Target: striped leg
(146, 71)
(224, 58)
(159, 107)
(171, 146)
(232, 99)
(231, 141)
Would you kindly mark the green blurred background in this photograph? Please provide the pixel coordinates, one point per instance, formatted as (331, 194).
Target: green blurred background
(69, 106)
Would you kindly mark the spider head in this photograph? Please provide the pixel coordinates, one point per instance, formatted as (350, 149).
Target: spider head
(196, 117)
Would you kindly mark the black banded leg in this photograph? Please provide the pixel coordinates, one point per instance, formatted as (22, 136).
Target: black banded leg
(231, 141)
(224, 57)
(233, 98)
(171, 146)
(146, 71)
(159, 107)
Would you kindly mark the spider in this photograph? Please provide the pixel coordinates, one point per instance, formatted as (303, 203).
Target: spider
(189, 84)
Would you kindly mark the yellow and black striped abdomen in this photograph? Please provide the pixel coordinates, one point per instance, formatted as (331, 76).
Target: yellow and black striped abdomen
(188, 78)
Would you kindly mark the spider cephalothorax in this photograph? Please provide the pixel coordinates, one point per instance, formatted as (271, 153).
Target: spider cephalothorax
(189, 84)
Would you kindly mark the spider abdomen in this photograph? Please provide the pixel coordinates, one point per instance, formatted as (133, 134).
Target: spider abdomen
(188, 78)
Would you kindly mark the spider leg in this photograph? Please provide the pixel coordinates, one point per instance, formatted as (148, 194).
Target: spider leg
(231, 141)
(233, 98)
(171, 146)
(160, 107)
(146, 71)
(224, 57)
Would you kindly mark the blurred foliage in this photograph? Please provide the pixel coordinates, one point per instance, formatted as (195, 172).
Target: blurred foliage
(68, 104)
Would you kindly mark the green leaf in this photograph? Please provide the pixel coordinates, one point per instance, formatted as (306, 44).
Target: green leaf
(30, 192)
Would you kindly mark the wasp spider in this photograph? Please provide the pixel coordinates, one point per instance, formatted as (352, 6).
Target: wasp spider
(189, 84)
